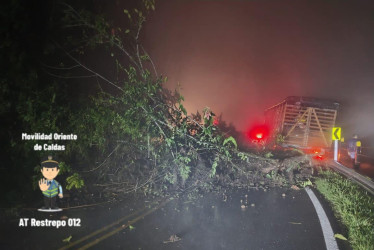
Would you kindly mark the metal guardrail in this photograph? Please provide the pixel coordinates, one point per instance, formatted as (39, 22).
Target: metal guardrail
(361, 154)
(367, 152)
(356, 177)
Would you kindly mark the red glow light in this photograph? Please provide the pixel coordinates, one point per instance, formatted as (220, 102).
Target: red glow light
(215, 122)
(318, 157)
(259, 136)
(258, 133)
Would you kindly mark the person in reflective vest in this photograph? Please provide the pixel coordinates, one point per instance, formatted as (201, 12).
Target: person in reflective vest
(50, 187)
(353, 149)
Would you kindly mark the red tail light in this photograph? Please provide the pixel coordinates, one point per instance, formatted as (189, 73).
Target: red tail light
(318, 157)
(258, 133)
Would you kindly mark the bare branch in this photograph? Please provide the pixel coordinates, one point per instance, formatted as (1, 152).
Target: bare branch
(60, 68)
(68, 77)
(154, 67)
(91, 170)
(118, 43)
(88, 69)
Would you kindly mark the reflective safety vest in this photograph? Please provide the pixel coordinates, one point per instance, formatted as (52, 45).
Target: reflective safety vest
(52, 190)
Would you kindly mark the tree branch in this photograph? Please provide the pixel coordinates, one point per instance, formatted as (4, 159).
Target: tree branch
(88, 69)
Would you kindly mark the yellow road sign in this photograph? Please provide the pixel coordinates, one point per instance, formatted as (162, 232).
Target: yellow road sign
(336, 133)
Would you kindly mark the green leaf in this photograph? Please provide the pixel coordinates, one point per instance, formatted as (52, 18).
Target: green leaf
(214, 169)
(230, 139)
(131, 227)
(144, 57)
(339, 236)
(306, 183)
(183, 109)
(268, 155)
(125, 11)
(74, 181)
(67, 239)
(127, 31)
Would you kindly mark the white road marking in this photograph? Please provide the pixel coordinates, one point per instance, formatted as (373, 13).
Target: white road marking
(328, 234)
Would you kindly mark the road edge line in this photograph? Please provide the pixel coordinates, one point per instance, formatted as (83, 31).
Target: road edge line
(100, 230)
(327, 231)
(123, 227)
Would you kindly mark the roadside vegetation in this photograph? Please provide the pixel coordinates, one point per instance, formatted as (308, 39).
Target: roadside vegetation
(353, 205)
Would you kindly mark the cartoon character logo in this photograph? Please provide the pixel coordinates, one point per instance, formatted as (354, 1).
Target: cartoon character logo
(49, 186)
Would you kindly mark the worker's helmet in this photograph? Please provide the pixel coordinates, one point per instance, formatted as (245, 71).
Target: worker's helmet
(355, 136)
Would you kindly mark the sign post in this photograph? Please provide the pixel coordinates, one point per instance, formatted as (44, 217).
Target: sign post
(336, 150)
(358, 151)
(336, 136)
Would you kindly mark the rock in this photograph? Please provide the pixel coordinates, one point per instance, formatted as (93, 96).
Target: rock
(294, 187)
(266, 170)
(64, 217)
(172, 238)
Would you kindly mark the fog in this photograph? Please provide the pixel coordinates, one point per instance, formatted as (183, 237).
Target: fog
(240, 57)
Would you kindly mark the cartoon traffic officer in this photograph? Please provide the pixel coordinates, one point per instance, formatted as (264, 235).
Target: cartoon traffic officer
(49, 186)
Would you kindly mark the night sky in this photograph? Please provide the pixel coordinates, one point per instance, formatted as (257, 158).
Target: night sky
(240, 57)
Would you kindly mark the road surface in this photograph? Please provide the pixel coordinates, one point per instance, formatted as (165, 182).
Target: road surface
(212, 221)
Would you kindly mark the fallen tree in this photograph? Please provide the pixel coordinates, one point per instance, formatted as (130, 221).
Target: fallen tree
(136, 136)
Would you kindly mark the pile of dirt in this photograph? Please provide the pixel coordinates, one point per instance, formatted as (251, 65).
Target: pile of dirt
(258, 173)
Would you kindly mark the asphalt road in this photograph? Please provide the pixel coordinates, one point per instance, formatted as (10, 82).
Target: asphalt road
(208, 222)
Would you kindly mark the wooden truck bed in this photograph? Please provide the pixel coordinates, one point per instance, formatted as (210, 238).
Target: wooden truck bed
(304, 122)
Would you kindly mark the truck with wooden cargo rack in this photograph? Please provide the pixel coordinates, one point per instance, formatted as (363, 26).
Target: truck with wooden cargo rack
(303, 122)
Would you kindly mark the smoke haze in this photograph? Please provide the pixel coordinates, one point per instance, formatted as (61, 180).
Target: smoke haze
(240, 57)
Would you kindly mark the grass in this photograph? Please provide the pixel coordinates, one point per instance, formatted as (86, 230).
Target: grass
(352, 205)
